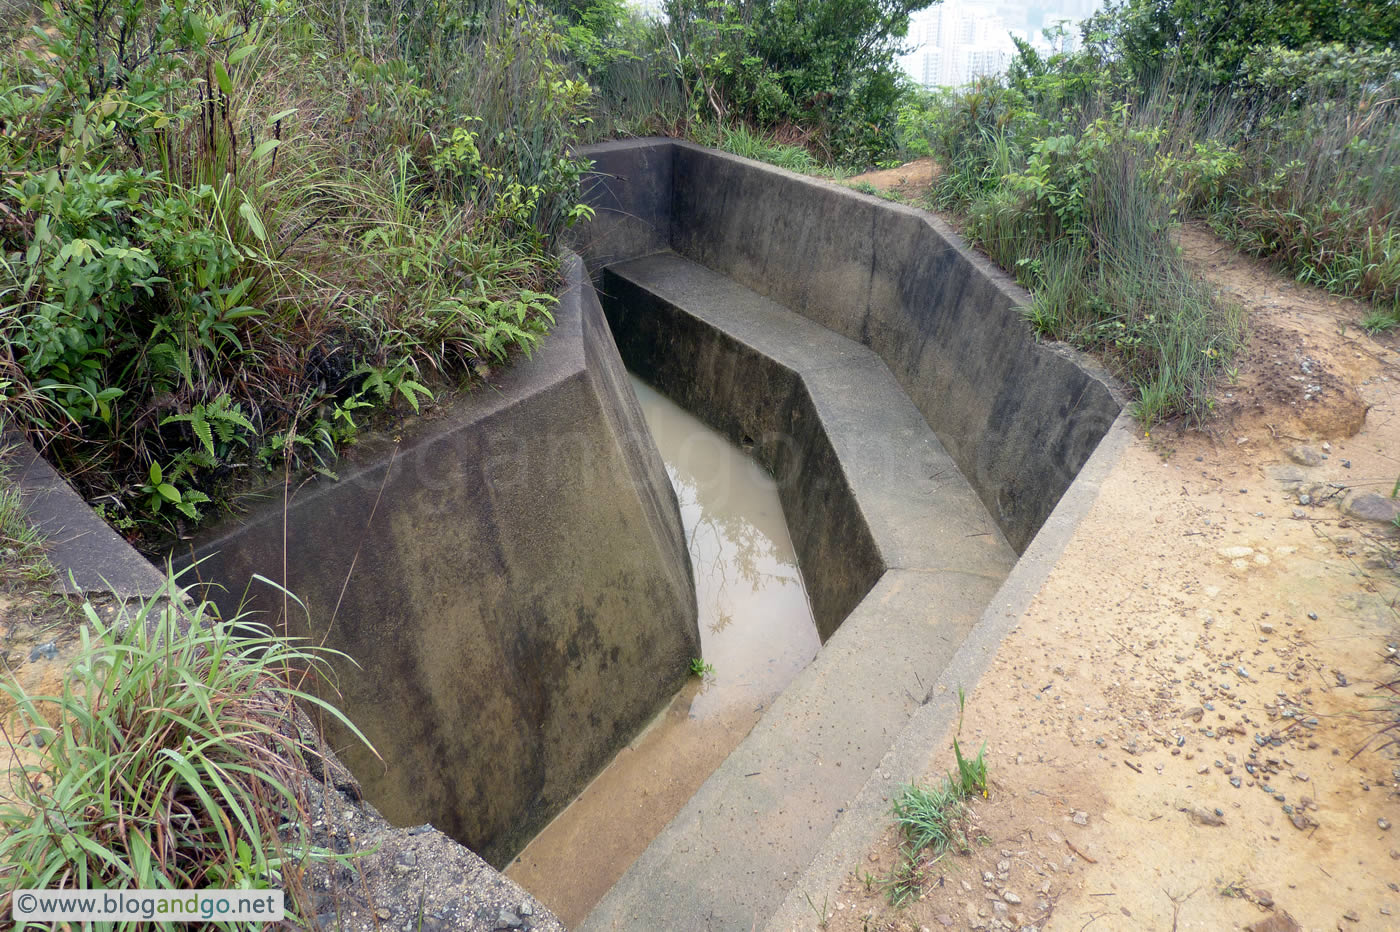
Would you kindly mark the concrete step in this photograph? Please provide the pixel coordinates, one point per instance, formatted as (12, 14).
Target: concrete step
(847, 445)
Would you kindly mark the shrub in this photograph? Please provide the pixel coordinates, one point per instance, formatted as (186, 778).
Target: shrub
(828, 67)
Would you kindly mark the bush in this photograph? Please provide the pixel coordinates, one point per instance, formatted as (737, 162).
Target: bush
(1073, 168)
(828, 67)
(1063, 186)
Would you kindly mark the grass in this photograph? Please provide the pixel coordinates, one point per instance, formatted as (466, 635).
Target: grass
(698, 667)
(931, 819)
(170, 760)
(22, 560)
(750, 144)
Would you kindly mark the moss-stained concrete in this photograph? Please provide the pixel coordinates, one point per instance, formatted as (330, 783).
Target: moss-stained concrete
(511, 578)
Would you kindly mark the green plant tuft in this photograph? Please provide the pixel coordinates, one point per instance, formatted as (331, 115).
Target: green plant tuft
(171, 759)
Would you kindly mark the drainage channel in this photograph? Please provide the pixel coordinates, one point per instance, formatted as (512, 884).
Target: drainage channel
(756, 630)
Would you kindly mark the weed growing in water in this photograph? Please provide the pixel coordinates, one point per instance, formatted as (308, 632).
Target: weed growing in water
(698, 667)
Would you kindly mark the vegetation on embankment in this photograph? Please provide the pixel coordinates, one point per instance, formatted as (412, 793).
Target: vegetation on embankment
(1278, 126)
(232, 232)
(170, 758)
(229, 231)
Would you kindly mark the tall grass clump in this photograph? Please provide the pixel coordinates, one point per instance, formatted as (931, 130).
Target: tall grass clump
(743, 141)
(1313, 179)
(170, 760)
(1063, 188)
(232, 232)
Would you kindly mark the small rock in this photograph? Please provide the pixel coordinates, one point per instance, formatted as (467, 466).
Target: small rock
(1383, 824)
(1010, 897)
(1372, 507)
(508, 920)
(1304, 455)
(1300, 821)
(526, 909)
(384, 912)
(1266, 628)
(1080, 817)
(1351, 916)
(47, 650)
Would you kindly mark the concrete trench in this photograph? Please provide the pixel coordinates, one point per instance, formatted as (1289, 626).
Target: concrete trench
(512, 579)
(920, 438)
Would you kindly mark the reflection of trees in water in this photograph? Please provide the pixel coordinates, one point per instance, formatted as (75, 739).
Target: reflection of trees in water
(737, 542)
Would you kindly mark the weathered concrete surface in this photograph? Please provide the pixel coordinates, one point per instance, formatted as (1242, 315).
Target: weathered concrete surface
(1019, 417)
(512, 579)
(910, 755)
(865, 484)
(89, 556)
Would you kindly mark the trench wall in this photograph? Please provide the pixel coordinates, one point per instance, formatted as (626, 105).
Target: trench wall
(1018, 416)
(511, 577)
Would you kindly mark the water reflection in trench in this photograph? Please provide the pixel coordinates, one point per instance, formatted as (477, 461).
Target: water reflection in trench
(757, 631)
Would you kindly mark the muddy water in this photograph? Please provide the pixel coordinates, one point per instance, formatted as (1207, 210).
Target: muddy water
(756, 630)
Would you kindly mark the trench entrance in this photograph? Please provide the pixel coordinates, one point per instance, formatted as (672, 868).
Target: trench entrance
(756, 629)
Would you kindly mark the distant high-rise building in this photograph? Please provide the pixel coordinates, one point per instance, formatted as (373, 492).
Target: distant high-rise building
(958, 40)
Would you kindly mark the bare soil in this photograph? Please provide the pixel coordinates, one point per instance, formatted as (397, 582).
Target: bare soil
(1181, 731)
(912, 179)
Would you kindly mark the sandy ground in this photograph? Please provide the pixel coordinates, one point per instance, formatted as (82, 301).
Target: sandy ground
(911, 180)
(1181, 730)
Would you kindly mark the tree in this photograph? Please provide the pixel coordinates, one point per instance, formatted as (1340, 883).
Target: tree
(823, 65)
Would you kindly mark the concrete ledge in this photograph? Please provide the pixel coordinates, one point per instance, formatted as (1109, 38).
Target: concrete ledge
(873, 500)
(509, 580)
(920, 436)
(912, 752)
(90, 557)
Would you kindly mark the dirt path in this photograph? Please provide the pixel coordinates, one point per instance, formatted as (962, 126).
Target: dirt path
(1176, 730)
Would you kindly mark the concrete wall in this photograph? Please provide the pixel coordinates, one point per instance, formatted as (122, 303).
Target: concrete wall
(423, 879)
(511, 577)
(761, 404)
(1019, 417)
